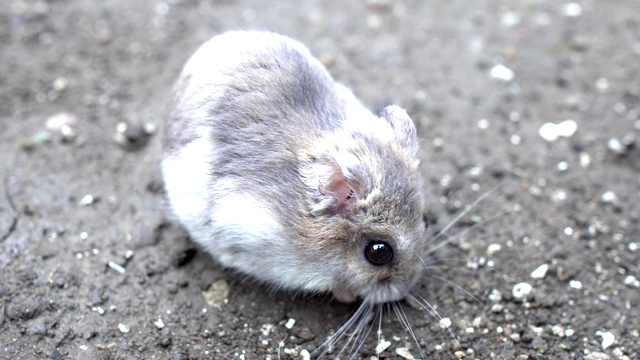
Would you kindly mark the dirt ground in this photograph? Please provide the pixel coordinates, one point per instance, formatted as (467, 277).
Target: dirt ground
(93, 267)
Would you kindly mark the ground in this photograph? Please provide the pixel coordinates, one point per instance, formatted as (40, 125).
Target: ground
(93, 266)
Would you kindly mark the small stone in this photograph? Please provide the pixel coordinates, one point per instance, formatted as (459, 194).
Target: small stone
(116, 267)
(290, 323)
(304, 353)
(86, 200)
(382, 346)
(632, 281)
(540, 272)
(497, 308)
(215, 295)
(123, 328)
(615, 146)
(445, 323)
(609, 197)
(493, 248)
(404, 353)
(558, 330)
(596, 356)
(502, 72)
(575, 284)
(572, 9)
(607, 338)
(585, 160)
(159, 323)
(459, 354)
(551, 131)
(522, 290)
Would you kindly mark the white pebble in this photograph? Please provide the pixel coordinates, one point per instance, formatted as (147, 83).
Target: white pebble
(459, 354)
(551, 131)
(632, 281)
(585, 160)
(404, 353)
(562, 166)
(290, 323)
(159, 323)
(305, 354)
(382, 346)
(615, 146)
(445, 323)
(609, 197)
(502, 72)
(483, 124)
(607, 338)
(558, 330)
(540, 272)
(493, 248)
(522, 290)
(123, 328)
(116, 267)
(575, 284)
(572, 9)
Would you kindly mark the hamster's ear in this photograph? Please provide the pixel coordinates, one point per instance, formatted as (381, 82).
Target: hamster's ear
(341, 180)
(403, 128)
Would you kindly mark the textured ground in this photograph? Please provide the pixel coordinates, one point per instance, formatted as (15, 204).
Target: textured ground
(572, 203)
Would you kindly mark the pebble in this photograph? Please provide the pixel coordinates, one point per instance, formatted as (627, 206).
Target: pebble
(215, 295)
(445, 323)
(596, 356)
(615, 146)
(609, 197)
(290, 323)
(575, 284)
(540, 272)
(86, 200)
(123, 328)
(632, 281)
(522, 290)
(404, 353)
(459, 354)
(159, 323)
(607, 338)
(493, 248)
(502, 72)
(572, 9)
(552, 131)
(382, 346)
(116, 267)
(305, 354)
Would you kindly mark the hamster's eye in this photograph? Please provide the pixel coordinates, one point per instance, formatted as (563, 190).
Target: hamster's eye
(378, 252)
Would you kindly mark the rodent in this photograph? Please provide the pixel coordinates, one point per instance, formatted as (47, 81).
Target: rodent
(281, 173)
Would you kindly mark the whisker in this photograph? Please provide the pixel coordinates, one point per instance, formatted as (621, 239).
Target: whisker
(434, 313)
(402, 316)
(456, 286)
(360, 342)
(333, 339)
(380, 312)
(357, 332)
(463, 213)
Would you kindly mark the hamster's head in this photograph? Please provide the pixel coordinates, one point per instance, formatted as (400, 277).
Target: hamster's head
(366, 212)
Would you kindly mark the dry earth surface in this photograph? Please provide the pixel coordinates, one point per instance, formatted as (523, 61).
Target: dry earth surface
(93, 267)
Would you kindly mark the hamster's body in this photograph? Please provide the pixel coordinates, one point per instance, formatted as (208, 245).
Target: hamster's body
(281, 173)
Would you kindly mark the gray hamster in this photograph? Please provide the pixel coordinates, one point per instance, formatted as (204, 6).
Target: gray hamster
(281, 173)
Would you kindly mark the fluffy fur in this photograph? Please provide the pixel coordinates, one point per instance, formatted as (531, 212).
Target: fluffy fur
(282, 174)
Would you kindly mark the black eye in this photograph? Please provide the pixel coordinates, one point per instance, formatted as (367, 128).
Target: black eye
(378, 252)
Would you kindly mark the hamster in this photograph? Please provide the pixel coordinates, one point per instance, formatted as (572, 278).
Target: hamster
(281, 173)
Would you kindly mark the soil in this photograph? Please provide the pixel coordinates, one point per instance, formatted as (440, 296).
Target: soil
(93, 267)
